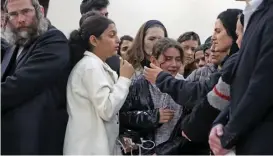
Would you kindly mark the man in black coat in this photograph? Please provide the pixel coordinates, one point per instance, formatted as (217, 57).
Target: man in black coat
(101, 7)
(34, 73)
(250, 124)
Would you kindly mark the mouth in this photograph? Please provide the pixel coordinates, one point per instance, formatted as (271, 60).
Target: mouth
(189, 59)
(23, 28)
(172, 72)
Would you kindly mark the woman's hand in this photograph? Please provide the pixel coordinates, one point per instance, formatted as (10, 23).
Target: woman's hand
(151, 73)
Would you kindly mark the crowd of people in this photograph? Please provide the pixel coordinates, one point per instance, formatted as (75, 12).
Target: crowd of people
(95, 93)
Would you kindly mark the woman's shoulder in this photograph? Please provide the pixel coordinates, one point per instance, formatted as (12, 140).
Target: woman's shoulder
(89, 63)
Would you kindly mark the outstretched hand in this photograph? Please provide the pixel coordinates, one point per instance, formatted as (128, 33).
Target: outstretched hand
(151, 73)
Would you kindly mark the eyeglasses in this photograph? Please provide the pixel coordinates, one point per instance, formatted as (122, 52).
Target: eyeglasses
(15, 14)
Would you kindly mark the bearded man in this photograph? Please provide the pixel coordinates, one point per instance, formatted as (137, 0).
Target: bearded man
(34, 73)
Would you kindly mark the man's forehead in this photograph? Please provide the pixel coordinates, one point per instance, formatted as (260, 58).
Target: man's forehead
(18, 4)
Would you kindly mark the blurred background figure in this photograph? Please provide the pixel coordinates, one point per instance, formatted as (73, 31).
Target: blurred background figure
(141, 50)
(124, 45)
(189, 42)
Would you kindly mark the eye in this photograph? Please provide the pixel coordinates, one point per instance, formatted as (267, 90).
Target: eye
(124, 48)
(167, 58)
(13, 14)
(152, 38)
(25, 11)
(112, 34)
(178, 59)
(186, 48)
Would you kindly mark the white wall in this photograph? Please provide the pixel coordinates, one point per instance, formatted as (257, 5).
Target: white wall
(177, 15)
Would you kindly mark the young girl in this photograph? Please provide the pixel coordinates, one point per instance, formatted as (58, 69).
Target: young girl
(141, 50)
(94, 92)
(147, 111)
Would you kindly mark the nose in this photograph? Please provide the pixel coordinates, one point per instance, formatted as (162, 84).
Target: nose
(201, 63)
(190, 52)
(174, 63)
(212, 48)
(117, 40)
(21, 18)
(213, 37)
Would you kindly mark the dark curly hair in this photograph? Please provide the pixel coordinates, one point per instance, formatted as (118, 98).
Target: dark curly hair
(165, 43)
(89, 5)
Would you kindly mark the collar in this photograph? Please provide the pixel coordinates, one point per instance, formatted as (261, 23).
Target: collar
(252, 5)
(105, 65)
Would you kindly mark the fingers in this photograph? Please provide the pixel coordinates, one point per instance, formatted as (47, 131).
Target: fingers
(153, 66)
(167, 117)
(126, 62)
(147, 70)
(121, 61)
(168, 111)
(219, 130)
(214, 141)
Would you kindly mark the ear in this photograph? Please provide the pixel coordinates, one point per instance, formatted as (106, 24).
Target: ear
(93, 40)
(153, 60)
(42, 9)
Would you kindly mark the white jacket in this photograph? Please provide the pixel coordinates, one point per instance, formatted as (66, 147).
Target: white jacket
(95, 96)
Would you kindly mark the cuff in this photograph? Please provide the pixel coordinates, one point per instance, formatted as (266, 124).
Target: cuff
(228, 139)
(125, 81)
(161, 76)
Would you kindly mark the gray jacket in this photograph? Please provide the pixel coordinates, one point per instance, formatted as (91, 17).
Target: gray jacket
(201, 74)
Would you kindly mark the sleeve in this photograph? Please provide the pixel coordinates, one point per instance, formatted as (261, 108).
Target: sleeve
(197, 125)
(222, 118)
(107, 102)
(48, 64)
(258, 98)
(133, 118)
(183, 91)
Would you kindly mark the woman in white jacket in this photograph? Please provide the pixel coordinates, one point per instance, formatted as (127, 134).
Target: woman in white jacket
(95, 94)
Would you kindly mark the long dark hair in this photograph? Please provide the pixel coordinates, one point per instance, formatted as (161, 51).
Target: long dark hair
(91, 23)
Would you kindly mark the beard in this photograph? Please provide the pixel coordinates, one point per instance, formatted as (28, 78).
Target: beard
(20, 36)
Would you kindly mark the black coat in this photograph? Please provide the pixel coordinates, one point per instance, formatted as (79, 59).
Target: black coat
(250, 123)
(4, 47)
(33, 96)
(198, 124)
(139, 118)
(138, 113)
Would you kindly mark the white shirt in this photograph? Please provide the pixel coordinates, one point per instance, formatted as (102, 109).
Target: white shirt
(19, 51)
(250, 8)
(95, 96)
